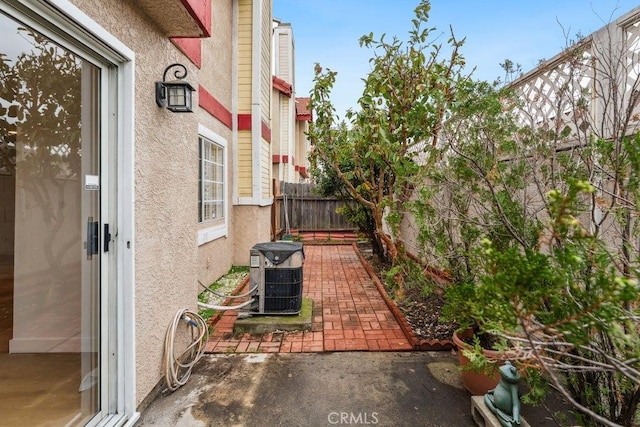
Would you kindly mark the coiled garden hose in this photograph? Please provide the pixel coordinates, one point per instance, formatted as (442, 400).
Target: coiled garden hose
(177, 368)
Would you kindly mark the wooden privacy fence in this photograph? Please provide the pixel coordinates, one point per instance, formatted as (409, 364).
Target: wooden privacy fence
(301, 209)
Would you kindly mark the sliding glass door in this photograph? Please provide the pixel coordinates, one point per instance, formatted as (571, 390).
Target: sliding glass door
(52, 235)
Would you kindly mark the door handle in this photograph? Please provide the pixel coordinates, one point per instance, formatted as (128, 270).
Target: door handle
(106, 238)
(93, 238)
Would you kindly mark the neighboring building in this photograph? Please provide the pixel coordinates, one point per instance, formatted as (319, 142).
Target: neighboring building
(112, 208)
(290, 114)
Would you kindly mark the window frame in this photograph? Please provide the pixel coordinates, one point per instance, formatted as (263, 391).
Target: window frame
(216, 228)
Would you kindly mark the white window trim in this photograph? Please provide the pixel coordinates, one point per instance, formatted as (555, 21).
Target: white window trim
(217, 231)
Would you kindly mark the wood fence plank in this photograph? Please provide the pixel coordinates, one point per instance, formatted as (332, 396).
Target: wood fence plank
(305, 210)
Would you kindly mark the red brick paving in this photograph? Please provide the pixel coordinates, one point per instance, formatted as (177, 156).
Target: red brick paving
(349, 312)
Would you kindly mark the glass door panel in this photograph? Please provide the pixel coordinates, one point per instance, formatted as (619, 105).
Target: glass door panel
(50, 230)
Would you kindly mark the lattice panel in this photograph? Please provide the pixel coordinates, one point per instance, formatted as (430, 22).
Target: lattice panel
(549, 97)
(632, 39)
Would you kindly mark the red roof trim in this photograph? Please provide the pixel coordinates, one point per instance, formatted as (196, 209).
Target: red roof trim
(200, 11)
(191, 47)
(282, 86)
(210, 104)
(266, 132)
(244, 123)
(303, 113)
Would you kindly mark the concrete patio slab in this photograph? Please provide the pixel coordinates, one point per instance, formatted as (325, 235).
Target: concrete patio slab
(259, 324)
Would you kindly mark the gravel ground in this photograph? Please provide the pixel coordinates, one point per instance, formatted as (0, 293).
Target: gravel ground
(224, 286)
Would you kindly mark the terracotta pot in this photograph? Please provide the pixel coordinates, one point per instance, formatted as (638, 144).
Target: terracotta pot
(477, 383)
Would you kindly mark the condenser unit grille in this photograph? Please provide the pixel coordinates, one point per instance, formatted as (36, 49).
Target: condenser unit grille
(283, 290)
(276, 277)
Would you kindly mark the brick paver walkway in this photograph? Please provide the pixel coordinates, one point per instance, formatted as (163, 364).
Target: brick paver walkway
(349, 313)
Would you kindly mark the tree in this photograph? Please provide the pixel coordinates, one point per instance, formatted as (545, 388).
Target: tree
(539, 191)
(409, 93)
(40, 101)
(358, 215)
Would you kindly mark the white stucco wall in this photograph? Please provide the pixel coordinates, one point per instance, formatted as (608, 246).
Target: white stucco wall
(166, 184)
(169, 261)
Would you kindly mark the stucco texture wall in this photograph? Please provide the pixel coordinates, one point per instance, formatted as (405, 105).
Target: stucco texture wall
(215, 257)
(217, 53)
(252, 225)
(165, 186)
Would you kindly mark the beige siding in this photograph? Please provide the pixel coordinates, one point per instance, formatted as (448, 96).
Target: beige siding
(276, 125)
(265, 169)
(284, 125)
(265, 62)
(244, 164)
(283, 57)
(245, 28)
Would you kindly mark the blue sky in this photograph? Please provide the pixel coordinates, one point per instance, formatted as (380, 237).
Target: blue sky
(524, 31)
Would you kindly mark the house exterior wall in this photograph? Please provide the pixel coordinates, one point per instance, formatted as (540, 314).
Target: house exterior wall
(266, 20)
(254, 102)
(165, 191)
(169, 262)
(302, 145)
(254, 227)
(276, 141)
(265, 60)
(301, 152)
(284, 48)
(286, 139)
(245, 90)
(245, 187)
(169, 259)
(215, 257)
(252, 206)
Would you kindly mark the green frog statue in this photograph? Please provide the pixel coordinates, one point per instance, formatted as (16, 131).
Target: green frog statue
(503, 400)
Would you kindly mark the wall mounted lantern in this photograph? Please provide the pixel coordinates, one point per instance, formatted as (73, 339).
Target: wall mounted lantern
(176, 94)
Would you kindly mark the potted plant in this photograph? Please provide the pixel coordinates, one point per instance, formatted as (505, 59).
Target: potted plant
(481, 349)
(554, 307)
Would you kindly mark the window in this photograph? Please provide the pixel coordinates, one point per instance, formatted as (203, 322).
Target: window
(211, 200)
(211, 185)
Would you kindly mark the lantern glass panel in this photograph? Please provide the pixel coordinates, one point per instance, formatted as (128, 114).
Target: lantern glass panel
(178, 95)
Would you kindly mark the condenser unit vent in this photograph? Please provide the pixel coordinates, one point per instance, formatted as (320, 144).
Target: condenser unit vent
(276, 274)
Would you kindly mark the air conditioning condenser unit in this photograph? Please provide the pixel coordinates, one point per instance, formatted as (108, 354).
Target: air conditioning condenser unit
(276, 275)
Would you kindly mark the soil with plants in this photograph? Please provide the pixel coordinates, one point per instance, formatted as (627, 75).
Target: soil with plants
(421, 309)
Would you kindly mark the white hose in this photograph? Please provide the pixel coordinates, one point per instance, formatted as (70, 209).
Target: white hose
(218, 294)
(224, 307)
(173, 365)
